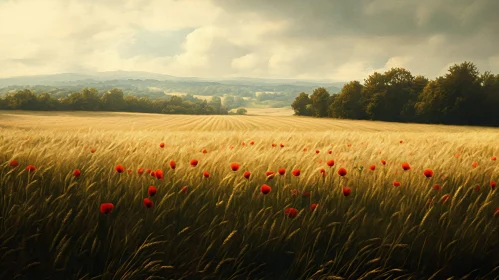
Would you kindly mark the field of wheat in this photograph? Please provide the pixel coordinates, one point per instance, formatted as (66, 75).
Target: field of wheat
(120, 196)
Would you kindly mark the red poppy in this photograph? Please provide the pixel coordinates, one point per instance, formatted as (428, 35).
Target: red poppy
(119, 168)
(151, 191)
(330, 163)
(265, 189)
(457, 155)
(247, 174)
(282, 146)
(496, 212)
(13, 163)
(493, 185)
(281, 171)
(184, 189)
(317, 151)
(383, 162)
(140, 171)
(153, 174)
(270, 174)
(428, 173)
(296, 172)
(243, 144)
(304, 149)
(313, 206)
(161, 145)
(291, 212)
(294, 192)
(401, 141)
(231, 147)
(173, 164)
(437, 187)
(406, 166)
(30, 168)
(159, 174)
(396, 183)
(444, 198)
(129, 171)
(148, 203)
(273, 145)
(329, 152)
(106, 208)
(494, 158)
(477, 188)
(342, 172)
(323, 171)
(194, 162)
(149, 170)
(372, 167)
(346, 191)
(349, 145)
(76, 173)
(204, 151)
(206, 174)
(93, 150)
(305, 194)
(252, 143)
(235, 166)
(474, 164)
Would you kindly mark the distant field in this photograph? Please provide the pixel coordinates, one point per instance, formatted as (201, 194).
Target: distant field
(202, 97)
(223, 227)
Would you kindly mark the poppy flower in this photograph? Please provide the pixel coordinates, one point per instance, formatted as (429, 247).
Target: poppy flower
(30, 168)
(151, 191)
(477, 188)
(282, 146)
(149, 170)
(474, 164)
(291, 212)
(304, 149)
(153, 173)
(396, 183)
(13, 163)
(296, 172)
(204, 151)
(444, 198)
(342, 172)
(148, 203)
(428, 173)
(294, 192)
(317, 151)
(184, 189)
(106, 208)
(265, 189)
(159, 174)
(235, 166)
(243, 144)
(323, 171)
(231, 147)
(305, 194)
(161, 145)
(496, 212)
(406, 166)
(313, 206)
(247, 174)
(372, 167)
(140, 171)
(252, 143)
(349, 145)
(173, 164)
(329, 152)
(457, 155)
(493, 185)
(401, 141)
(346, 191)
(206, 174)
(119, 168)
(194, 162)
(76, 173)
(129, 171)
(330, 163)
(437, 187)
(494, 158)
(93, 150)
(383, 162)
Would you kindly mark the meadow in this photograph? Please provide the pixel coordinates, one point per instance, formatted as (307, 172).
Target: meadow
(85, 209)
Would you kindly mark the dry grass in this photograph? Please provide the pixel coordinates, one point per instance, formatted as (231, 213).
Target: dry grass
(223, 228)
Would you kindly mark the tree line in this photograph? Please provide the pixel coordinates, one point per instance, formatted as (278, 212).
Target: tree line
(89, 99)
(463, 96)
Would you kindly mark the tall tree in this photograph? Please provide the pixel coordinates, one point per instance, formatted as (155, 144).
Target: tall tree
(320, 102)
(301, 105)
(348, 103)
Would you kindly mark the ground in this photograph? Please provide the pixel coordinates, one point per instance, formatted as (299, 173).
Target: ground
(223, 226)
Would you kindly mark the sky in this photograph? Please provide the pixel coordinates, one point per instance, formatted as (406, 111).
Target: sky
(337, 40)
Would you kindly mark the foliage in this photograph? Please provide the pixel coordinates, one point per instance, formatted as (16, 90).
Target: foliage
(241, 111)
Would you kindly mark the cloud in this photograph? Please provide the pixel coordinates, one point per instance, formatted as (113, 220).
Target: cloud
(317, 39)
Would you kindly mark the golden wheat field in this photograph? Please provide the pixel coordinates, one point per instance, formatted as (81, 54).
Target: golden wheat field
(439, 219)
